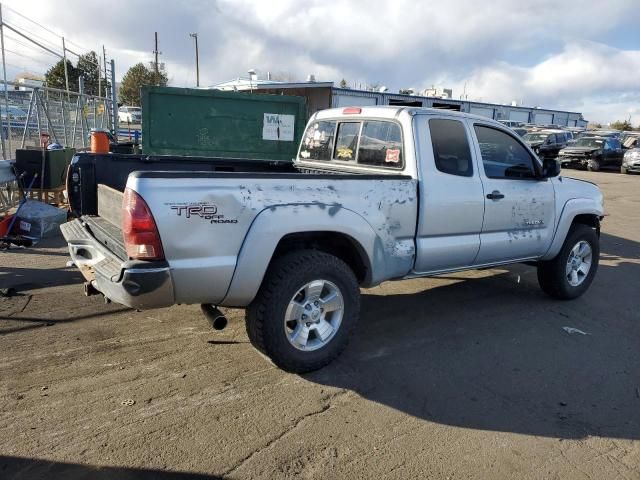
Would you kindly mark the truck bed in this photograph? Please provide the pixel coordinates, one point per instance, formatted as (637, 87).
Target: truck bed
(88, 170)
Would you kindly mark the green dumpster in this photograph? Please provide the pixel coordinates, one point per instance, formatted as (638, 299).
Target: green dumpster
(214, 123)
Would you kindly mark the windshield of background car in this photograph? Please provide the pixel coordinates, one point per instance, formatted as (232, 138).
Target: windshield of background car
(589, 142)
(535, 137)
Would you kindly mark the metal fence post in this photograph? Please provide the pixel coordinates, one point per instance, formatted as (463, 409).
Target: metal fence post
(114, 102)
(64, 60)
(6, 92)
(64, 120)
(50, 129)
(26, 125)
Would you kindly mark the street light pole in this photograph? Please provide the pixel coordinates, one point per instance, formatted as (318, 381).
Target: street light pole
(195, 37)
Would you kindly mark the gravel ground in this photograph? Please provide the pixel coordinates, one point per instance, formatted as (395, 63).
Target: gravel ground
(465, 376)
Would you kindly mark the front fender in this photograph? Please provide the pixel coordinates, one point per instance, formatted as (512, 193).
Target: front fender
(274, 223)
(572, 208)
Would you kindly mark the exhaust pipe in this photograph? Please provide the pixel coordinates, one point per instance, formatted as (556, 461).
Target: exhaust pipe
(216, 318)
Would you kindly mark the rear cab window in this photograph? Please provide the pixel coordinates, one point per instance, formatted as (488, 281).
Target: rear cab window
(366, 143)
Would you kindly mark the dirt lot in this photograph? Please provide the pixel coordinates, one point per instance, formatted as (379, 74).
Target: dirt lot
(466, 376)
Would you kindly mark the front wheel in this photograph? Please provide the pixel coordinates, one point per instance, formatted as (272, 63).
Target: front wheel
(571, 272)
(593, 165)
(305, 311)
(624, 170)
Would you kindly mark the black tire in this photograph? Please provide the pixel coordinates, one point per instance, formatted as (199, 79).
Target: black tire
(552, 275)
(593, 165)
(266, 314)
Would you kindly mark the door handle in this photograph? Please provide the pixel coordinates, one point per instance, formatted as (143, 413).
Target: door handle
(495, 195)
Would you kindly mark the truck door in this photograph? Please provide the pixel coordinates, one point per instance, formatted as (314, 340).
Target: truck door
(451, 196)
(519, 214)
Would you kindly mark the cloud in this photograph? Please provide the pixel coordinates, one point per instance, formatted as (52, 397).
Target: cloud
(581, 70)
(555, 54)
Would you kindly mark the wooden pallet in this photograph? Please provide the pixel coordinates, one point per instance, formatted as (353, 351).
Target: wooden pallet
(52, 196)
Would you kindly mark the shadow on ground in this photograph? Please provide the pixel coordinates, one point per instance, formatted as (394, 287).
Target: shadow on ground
(17, 468)
(23, 279)
(491, 354)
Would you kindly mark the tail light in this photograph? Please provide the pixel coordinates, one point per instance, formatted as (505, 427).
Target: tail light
(141, 237)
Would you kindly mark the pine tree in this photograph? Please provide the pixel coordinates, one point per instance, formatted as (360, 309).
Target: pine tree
(137, 77)
(55, 76)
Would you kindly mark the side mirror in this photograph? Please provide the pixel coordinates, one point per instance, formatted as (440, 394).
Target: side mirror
(550, 168)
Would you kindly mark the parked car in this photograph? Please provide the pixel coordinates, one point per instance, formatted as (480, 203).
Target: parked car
(631, 161)
(520, 131)
(130, 114)
(511, 123)
(546, 143)
(374, 194)
(602, 133)
(592, 153)
(630, 140)
(12, 113)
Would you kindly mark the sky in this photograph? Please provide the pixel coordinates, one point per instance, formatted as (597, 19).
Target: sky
(577, 56)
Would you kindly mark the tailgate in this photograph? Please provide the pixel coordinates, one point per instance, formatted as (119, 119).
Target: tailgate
(106, 227)
(99, 237)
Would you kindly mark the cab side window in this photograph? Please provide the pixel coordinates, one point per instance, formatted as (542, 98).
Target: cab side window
(451, 150)
(502, 155)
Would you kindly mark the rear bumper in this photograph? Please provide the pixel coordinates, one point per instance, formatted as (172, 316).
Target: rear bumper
(136, 284)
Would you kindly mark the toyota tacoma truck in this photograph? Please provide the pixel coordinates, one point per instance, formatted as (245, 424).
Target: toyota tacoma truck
(374, 194)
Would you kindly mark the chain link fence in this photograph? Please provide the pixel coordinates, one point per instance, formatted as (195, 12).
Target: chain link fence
(67, 117)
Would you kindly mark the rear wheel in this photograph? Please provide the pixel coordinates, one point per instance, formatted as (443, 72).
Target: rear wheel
(305, 311)
(571, 272)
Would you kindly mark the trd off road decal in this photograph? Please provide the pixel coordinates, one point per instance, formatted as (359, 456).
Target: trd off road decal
(200, 210)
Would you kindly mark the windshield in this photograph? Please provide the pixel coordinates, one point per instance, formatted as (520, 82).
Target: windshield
(535, 137)
(135, 109)
(589, 142)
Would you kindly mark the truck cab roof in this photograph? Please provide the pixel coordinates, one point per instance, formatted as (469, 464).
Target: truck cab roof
(391, 112)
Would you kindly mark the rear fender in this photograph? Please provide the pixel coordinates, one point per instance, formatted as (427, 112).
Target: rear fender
(274, 223)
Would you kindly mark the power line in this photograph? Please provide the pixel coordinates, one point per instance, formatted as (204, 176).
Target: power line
(57, 34)
(34, 59)
(30, 39)
(42, 39)
(27, 45)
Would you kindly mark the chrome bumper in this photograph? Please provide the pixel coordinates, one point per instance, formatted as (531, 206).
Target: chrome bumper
(136, 284)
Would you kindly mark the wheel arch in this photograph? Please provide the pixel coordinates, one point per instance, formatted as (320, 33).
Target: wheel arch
(338, 244)
(276, 231)
(581, 211)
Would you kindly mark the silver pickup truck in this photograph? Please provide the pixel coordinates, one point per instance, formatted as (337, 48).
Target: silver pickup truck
(375, 194)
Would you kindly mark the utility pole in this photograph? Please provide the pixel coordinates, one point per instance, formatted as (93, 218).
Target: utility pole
(155, 52)
(195, 37)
